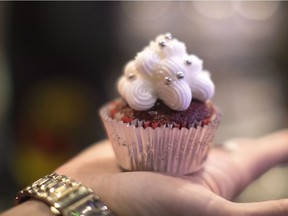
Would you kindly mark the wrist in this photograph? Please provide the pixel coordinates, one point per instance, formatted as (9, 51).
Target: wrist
(64, 196)
(31, 207)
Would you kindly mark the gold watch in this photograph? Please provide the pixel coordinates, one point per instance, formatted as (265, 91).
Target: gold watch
(65, 196)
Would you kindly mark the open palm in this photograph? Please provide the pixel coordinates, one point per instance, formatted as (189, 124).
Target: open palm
(227, 171)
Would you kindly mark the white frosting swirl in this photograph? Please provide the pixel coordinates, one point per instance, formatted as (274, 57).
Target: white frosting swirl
(165, 71)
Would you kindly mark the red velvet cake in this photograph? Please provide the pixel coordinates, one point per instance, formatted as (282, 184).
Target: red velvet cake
(198, 113)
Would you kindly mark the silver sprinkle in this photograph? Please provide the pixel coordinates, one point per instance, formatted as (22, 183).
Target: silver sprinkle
(132, 76)
(153, 112)
(168, 80)
(162, 44)
(180, 75)
(188, 62)
(168, 36)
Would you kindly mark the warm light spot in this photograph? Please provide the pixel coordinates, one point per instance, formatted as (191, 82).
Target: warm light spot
(214, 10)
(256, 10)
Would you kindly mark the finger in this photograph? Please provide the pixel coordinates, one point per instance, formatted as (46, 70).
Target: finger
(267, 208)
(243, 160)
(266, 152)
(273, 148)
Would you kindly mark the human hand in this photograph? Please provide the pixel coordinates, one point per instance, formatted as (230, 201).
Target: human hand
(227, 171)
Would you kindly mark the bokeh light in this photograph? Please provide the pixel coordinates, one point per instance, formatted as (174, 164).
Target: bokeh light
(215, 9)
(256, 10)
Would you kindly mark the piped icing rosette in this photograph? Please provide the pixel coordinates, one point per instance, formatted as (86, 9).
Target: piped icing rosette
(164, 70)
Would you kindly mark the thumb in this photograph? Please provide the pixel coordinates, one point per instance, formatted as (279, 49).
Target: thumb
(266, 208)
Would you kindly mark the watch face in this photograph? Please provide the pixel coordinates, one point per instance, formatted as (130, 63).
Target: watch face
(91, 208)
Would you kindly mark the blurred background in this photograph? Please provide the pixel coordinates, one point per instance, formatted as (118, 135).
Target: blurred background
(59, 62)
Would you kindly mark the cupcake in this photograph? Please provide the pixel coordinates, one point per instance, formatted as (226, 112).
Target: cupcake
(164, 120)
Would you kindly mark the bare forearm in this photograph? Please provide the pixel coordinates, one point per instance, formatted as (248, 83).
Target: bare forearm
(31, 207)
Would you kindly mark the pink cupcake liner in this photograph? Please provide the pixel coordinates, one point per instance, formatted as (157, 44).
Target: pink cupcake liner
(163, 149)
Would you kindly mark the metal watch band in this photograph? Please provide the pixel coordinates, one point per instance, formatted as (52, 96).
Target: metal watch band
(65, 196)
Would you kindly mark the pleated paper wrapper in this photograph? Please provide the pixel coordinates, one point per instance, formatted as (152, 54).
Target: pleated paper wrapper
(163, 149)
